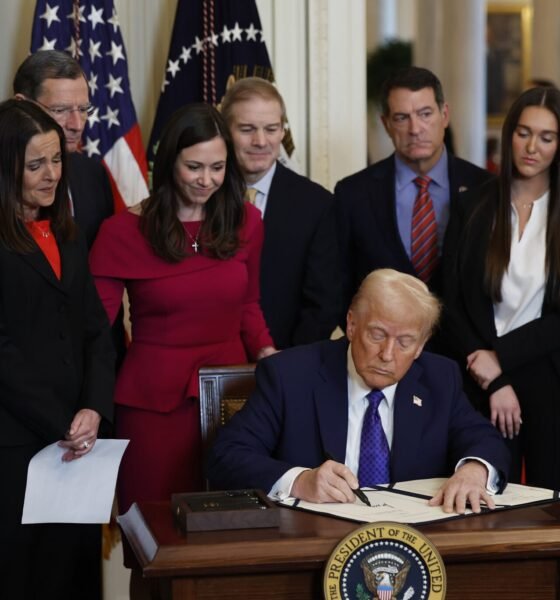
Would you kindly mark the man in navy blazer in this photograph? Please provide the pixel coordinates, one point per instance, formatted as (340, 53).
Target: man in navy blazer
(374, 206)
(299, 262)
(301, 432)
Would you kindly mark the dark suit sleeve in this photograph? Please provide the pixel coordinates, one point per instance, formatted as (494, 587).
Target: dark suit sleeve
(457, 334)
(243, 454)
(55, 348)
(99, 356)
(106, 202)
(346, 250)
(24, 394)
(320, 292)
(529, 343)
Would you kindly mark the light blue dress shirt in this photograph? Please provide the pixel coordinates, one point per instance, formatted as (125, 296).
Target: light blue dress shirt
(406, 191)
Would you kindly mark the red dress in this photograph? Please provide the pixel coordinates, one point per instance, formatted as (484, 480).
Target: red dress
(201, 311)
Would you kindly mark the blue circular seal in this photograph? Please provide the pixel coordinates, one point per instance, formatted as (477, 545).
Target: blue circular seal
(385, 561)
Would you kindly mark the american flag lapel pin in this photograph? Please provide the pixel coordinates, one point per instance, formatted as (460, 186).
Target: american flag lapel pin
(416, 401)
(463, 188)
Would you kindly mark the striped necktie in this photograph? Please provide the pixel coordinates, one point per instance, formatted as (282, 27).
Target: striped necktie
(423, 239)
(374, 449)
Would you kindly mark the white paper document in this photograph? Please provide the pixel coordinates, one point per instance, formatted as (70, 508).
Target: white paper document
(407, 502)
(513, 495)
(79, 491)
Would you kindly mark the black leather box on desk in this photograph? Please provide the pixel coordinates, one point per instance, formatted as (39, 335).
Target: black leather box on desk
(234, 509)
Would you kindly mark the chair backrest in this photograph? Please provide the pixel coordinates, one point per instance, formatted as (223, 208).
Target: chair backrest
(223, 391)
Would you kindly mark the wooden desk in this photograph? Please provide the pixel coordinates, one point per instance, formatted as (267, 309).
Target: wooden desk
(514, 554)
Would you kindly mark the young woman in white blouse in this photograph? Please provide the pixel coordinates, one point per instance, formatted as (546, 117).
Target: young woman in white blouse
(502, 294)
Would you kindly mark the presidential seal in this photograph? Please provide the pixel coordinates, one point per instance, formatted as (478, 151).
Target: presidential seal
(385, 561)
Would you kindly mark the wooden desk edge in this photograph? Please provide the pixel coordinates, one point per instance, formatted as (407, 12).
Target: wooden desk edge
(311, 553)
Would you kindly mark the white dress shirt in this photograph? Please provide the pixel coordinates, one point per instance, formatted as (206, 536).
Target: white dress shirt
(523, 283)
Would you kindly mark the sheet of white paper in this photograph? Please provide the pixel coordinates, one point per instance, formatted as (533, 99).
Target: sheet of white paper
(80, 491)
(513, 495)
(385, 506)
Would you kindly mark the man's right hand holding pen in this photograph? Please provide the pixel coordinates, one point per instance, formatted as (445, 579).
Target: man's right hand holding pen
(331, 482)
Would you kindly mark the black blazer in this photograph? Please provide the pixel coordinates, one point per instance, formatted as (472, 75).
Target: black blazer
(92, 197)
(92, 200)
(56, 355)
(299, 261)
(366, 217)
(468, 322)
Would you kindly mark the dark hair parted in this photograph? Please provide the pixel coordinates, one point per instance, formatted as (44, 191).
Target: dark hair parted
(498, 254)
(413, 79)
(224, 211)
(20, 120)
(45, 64)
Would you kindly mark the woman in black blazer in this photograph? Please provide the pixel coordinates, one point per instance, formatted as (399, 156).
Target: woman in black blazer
(56, 357)
(502, 291)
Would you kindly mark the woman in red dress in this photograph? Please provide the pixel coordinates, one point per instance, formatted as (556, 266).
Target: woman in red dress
(188, 257)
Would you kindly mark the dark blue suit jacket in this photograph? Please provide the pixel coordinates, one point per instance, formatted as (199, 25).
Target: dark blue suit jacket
(299, 413)
(91, 193)
(366, 218)
(299, 261)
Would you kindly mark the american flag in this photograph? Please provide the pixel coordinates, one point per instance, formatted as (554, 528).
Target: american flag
(214, 43)
(89, 30)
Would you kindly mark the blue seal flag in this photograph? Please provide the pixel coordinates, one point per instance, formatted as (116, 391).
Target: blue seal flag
(213, 43)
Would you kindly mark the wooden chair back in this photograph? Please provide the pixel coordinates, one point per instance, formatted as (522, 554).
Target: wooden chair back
(223, 391)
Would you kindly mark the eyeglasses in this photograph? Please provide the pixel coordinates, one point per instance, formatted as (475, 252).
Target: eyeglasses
(63, 112)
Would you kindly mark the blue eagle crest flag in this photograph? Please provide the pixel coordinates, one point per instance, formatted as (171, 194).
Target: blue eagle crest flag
(213, 42)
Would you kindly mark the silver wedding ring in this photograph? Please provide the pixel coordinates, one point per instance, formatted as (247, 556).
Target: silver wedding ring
(85, 445)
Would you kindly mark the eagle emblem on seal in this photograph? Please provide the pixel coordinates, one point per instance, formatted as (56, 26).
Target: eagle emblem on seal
(385, 574)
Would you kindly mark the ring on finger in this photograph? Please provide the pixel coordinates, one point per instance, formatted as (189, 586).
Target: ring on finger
(85, 445)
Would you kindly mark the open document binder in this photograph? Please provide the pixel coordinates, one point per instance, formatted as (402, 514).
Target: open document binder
(407, 502)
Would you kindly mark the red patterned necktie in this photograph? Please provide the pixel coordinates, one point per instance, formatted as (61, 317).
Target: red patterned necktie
(423, 240)
(374, 449)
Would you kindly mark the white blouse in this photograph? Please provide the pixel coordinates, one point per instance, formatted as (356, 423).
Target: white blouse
(523, 283)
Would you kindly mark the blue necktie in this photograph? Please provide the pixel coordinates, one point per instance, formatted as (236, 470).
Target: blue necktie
(374, 449)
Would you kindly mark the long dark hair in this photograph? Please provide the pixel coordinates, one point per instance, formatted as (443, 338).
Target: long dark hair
(498, 254)
(224, 211)
(20, 120)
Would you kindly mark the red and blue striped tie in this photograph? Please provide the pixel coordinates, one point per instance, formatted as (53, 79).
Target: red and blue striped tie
(424, 249)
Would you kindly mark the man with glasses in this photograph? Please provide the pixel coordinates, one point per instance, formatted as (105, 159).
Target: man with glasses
(56, 82)
(394, 213)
